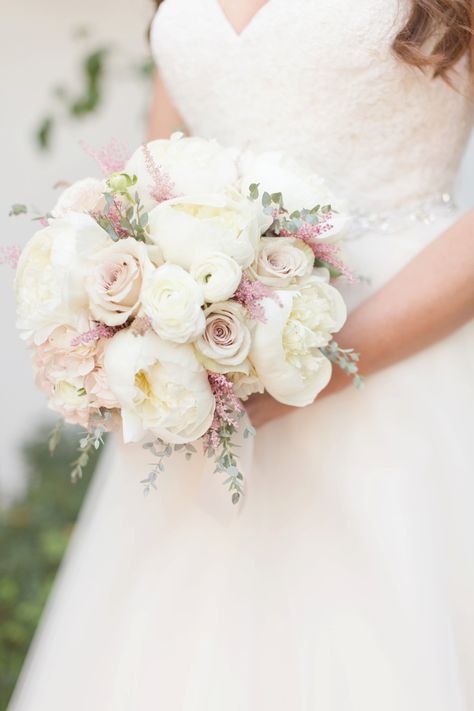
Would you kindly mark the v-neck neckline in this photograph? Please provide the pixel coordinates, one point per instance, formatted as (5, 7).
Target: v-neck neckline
(239, 35)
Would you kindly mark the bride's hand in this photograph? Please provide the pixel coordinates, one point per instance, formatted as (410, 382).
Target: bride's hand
(262, 409)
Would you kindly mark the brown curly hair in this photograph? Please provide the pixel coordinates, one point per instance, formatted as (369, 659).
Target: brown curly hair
(448, 23)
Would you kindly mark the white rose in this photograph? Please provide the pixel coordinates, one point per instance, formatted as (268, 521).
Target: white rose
(115, 281)
(225, 343)
(218, 274)
(50, 279)
(300, 187)
(161, 388)
(173, 300)
(188, 229)
(194, 165)
(285, 350)
(85, 195)
(282, 259)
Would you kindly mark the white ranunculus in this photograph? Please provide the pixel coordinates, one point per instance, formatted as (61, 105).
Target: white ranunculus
(194, 165)
(218, 274)
(189, 229)
(161, 388)
(285, 350)
(246, 384)
(115, 281)
(86, 195)
(173, 300)
(50, 279)
(301, 188)
(225, 343)
(281, 260)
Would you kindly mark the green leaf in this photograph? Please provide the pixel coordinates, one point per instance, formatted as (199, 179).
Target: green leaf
(333, 272)
(253, 191)
(43, 133)
(266, 199)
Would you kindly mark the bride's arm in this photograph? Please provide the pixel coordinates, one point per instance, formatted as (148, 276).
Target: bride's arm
(164, 117)
(428, 299)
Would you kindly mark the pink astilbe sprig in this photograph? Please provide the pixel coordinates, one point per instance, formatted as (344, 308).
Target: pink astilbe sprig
(10, 255)
(331, 254)
(94, 334)
(141, 325)
(162, 187)
(250, 293)
(115, 216)
(310, 234)
(111, 158)
(229, 409)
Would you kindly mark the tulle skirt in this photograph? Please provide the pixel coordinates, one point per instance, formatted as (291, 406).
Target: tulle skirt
(344, 581)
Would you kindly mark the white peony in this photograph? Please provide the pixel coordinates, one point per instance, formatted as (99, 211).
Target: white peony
(189, 229)
(285, 350)
(85, 195)
(161, 388)
(301, 188)
(173, 300)
(225, 343)
(115, 280)
(218, 274)
(281, 260)
(194, 165)
(50, 279)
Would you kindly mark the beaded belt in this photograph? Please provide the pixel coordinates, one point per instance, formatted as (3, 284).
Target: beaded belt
(424, 212)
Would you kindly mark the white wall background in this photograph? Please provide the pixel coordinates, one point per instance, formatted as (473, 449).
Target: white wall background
(37, 51)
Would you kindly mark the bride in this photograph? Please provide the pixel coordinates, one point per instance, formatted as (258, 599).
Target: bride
(345, 582)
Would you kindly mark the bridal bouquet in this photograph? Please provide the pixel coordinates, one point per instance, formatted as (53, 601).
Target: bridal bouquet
(159, 298)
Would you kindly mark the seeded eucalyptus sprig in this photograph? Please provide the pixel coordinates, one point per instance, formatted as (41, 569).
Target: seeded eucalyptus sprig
(226, 458)
(91, 442)
(284, 221)
(347, 360)
(222, 451)
(162, 451)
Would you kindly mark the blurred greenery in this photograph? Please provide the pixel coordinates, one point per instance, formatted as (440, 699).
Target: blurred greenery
(97, 68)
(34, 533)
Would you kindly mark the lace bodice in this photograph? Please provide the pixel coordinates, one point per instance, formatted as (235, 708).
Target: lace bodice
(317, 78)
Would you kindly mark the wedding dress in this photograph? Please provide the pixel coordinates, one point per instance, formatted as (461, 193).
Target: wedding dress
(345, 581)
